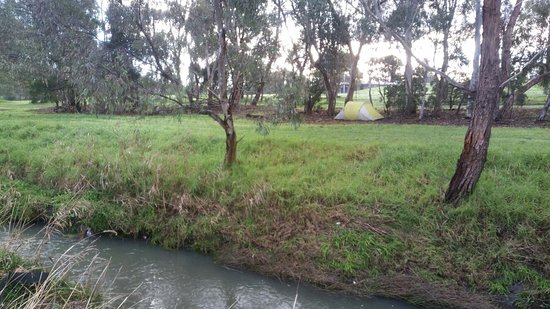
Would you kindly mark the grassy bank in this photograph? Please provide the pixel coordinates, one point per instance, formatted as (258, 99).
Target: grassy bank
(352, 206)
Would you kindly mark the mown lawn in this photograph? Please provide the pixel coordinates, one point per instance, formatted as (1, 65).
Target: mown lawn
(351, 206)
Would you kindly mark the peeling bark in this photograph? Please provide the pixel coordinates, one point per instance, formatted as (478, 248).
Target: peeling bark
(506, 62)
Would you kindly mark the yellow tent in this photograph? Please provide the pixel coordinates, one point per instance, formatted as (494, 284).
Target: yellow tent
(358, 111)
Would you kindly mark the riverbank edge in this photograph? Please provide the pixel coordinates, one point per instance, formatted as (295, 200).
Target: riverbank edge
(295, 267)
(15, 266)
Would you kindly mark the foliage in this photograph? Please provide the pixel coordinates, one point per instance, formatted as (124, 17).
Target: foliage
(395, 93)
(324, 31)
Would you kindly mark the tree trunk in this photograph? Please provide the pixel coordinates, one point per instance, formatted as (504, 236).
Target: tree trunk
(476, 143)
(237, 91)
(410, 107)
(210, 77)
(222, 52)
(544, 110)
(227, 107)
(190, 97)
(370, 92)
(353, 72)
(230, 142)
(331, 91)
(73, 104)
(383, 98)
(423, 100)
(309, 105)
(264, 75)
(331, 96)
(259, 92)
(443, 85)
(506, 62)
(197, 89)
(474, 81)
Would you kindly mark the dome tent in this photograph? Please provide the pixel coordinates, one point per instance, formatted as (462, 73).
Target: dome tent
(358, 111)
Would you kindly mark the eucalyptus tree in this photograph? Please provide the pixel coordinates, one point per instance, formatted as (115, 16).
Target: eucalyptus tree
(252, 29)
(239, 25)
(506, 49)
(56, 47)
(363, 31)
(17, 40)
(120, 83)
(476, 142)
(254, 44)
(202, 41)
(324, 33)
(298, 85)
(227, 106)
(383, 70)
(474, 79)
(525, 52)
(264, 53)
(402, 21)
(405, 19)
(441, 20)
(161, 29)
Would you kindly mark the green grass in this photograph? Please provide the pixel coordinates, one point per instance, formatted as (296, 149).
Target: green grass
(357, 202)
(536, 97)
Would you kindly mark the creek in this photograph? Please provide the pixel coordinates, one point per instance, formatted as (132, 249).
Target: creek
(158, 278)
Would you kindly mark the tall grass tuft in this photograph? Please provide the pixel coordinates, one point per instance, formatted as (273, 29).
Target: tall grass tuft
(60, 289)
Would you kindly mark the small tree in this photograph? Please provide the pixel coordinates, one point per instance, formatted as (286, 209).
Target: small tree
(324, 33)
(384, 71)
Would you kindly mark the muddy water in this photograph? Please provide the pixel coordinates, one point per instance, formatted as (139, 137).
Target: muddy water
(158, 278)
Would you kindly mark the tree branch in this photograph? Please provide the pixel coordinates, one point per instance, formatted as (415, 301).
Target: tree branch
(214, 94)
(511, 78)
(169, 98)
(408, 49)
(214, 116)
(210, 113)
